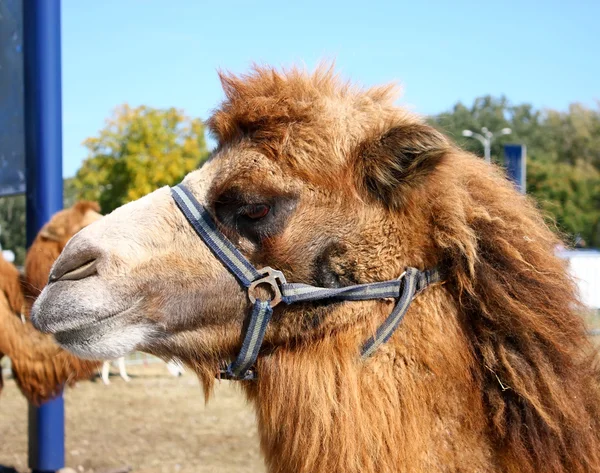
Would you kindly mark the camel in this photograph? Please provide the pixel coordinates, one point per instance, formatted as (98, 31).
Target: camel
(40, 367)
(332, 186)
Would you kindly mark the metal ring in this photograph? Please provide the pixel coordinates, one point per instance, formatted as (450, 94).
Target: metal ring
(273, 278)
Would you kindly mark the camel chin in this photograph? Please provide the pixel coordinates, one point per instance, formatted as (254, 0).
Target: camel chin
(90, 324)
(104, 341)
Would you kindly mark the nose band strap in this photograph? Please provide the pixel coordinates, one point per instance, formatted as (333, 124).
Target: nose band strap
(404, 289)
(206, 229)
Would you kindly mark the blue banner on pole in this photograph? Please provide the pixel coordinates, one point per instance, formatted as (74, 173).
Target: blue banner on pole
(12, 133)
(515, 158)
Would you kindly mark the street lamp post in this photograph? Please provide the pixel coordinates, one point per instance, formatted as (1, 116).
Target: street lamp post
(486, 138)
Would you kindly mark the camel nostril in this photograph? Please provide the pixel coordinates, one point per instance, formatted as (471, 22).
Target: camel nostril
(78, 260)
(80, 272)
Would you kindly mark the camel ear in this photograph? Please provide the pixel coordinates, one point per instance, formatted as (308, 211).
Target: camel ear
(53, 232)
(399, 159)
(84, 205)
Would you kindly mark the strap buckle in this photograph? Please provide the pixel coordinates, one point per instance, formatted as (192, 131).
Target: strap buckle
(226, 373)
(273, 278)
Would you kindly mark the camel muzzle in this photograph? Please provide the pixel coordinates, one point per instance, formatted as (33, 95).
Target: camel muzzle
(403, 289)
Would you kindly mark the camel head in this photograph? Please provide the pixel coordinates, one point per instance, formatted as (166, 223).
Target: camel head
(308, 178)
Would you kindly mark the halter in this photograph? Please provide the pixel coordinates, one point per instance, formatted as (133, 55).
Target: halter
(404, 289)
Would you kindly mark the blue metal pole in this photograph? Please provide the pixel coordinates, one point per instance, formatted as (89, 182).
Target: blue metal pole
(515, 157)
(43, 155)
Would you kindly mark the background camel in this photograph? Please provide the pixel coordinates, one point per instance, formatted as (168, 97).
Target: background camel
(40, 367)
(491, 370)
(11, 301)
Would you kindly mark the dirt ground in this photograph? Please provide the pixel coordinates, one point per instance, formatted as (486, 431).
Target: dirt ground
(154, 424)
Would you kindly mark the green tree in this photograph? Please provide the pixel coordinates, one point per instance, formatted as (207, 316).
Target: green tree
(563, 155)
(571, 194)
(487, 111)
(139, 150)
(12, 226)
(69, 192)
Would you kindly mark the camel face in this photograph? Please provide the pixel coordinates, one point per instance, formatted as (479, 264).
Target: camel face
(307, 191)
(141, 275)
(100, 288)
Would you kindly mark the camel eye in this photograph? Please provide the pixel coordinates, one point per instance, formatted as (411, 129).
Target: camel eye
(255, 211)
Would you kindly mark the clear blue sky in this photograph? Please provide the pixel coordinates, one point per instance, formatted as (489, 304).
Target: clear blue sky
(165, 53)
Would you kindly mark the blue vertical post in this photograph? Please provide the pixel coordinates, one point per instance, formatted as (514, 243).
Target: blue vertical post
(43, 158)
(515, 157)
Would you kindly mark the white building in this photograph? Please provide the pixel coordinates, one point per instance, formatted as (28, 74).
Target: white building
(585, 268)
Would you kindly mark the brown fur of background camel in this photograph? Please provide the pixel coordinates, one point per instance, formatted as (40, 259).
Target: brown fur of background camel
(11, 302)
(40, 367)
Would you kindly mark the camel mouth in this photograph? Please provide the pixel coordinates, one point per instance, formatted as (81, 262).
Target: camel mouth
(91, 320)
(112, 336)
(80, 331)
(78, 308)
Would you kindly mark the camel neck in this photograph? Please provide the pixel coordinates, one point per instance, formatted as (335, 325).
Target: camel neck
(320, 408)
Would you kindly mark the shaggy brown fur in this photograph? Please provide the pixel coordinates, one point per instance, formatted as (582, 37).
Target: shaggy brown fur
(491, 370)
(11, 299)
(10, 286)
(498, 355)
(40, 367)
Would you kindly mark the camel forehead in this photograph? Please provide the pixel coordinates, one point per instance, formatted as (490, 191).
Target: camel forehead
(274, 100)
(240, 167)
(309, 123)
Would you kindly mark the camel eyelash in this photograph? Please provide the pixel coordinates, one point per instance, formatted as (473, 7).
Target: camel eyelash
(254, 212)
(255, 217)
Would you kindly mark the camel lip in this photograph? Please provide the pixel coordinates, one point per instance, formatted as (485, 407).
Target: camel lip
(108, 338)
(81, 331)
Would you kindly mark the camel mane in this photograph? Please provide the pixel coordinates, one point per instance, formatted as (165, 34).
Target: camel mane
(537, 368)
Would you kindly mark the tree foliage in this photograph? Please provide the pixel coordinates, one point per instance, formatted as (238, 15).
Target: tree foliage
(139, 150)
(12, 226)
(563, 155)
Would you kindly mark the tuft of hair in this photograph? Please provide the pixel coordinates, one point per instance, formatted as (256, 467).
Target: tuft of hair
(271, 107)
